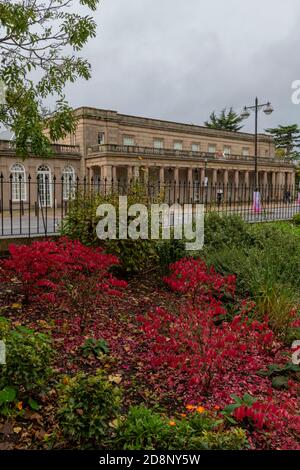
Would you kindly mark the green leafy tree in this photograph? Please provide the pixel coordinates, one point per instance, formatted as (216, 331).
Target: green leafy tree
(39, 42)
(227, 121)
(287, 140)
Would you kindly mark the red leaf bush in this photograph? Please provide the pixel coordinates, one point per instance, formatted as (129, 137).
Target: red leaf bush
(195, 356)
(48, 270)
(192, 342)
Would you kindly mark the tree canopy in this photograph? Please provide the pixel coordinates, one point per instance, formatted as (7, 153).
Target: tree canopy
(287, 140)
(227, 121)
(39, 43)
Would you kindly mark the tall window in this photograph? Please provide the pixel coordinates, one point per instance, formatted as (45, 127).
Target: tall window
(68, 182)
(18, 182)
(227, 150)
(178, 145)
(158, 144)
(211, 149)
(44, 189)
(101, 138)
(128, 140)
(245, 152)
(195, 147)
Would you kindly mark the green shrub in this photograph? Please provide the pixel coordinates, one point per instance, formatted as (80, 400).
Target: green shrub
(87, 406)
(81, 222)
(94, 346)
(144, 429)
(28, 358)
(226, 231)
(170, 251)
(296, 219)
(266, 263)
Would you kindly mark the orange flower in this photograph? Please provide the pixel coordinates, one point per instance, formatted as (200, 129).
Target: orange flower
(172, 423)
(183, 415)
(217, 407)
(200, 409)
(190, 407)
(19, 405)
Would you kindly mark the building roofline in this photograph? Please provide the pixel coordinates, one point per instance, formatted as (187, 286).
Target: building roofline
(108, 114)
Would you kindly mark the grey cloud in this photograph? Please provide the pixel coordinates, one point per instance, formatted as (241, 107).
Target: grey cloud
(180, 60)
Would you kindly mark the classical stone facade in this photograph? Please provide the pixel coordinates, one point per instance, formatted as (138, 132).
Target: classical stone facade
(120, 147)
(112, 147)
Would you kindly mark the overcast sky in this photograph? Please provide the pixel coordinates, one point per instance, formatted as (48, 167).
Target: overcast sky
(181, 59)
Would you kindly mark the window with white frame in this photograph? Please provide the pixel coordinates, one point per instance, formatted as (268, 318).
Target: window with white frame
(245, 152)
(178, 145)
(211, 148)
(68, 182)
(101, 138)
(44, 188)
(128, 140)
(18, 188)
(158, 143)
(227, 150)
(195, 147)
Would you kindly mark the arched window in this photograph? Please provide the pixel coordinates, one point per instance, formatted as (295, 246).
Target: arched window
(18, 188)
(44, 186)
(68, 182)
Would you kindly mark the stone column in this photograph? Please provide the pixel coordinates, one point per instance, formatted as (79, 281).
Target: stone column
(162, 175)
(190, 185)
(246, 180)
(107, 178)
(236, 185)
(136, 172)
(146, 174)
(114, 174)
(129, 174)
(176, 183)
(273, 179)
(236, 178)
(202, 176)
(107, 173)
(292, 179)
(225, 183)
(265, 179)
(214, 177)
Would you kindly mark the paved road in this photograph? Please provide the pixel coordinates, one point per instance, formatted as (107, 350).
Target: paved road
(14, 227)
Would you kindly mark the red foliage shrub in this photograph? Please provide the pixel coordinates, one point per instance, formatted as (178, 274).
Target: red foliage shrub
(62, 270)
(197, 357)
(192, 278)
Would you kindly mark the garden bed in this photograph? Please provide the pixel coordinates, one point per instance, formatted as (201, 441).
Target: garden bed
(182, 356)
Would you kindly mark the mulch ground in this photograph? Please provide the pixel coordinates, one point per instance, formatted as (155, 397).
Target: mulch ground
(114, 320)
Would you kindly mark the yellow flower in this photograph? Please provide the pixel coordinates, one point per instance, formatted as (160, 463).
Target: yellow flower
(190, 407)
(172, 423)
(19, 405)
(200, 409)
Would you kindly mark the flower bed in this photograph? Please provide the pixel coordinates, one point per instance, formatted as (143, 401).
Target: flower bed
(185, 346)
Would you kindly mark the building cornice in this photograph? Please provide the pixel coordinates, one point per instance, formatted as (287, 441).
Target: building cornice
(165, 126)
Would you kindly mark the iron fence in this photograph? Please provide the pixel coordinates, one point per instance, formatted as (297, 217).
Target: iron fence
(37, 206)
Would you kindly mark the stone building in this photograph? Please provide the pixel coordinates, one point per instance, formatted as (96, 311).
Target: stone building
(113, 147)
(120, 147)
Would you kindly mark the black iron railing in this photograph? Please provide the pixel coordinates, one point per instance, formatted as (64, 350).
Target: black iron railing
(39, 205)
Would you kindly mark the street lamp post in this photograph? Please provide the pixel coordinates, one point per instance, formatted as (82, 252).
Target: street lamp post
(268, 109)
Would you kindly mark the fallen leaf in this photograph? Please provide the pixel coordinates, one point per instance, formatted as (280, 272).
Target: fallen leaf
(7, 428)
(115, 378)
(17, 429)
(16, 306)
